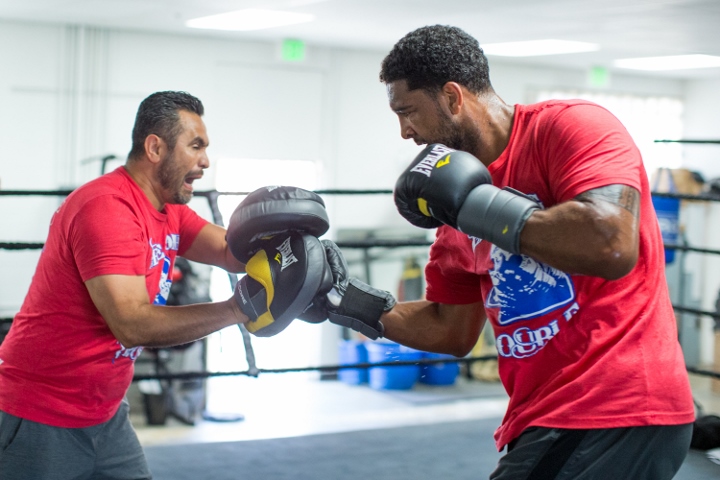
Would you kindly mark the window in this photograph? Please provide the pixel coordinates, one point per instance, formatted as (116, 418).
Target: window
(647, 118)
(299, 344)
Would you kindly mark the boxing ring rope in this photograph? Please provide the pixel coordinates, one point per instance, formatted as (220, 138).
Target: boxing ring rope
(253, 371)
(322, 368)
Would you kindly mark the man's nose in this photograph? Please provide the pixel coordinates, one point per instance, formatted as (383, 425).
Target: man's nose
(406, 131)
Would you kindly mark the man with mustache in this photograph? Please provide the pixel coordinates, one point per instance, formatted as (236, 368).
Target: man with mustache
(99, 296)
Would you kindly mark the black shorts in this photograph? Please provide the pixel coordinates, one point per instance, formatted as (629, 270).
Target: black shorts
(637, 453)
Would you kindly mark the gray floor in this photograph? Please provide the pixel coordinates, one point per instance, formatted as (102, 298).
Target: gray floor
(289, 405)
(299, 406)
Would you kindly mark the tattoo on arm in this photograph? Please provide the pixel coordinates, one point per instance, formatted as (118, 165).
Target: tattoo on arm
(620, 195)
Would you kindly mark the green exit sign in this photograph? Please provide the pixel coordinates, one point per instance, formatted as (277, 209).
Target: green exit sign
(599, 77)
(293, 50)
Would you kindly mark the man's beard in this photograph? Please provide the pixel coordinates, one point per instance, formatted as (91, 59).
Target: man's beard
(171, 179)
(450, 134)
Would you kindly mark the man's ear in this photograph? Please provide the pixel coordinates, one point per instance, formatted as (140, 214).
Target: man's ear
(453, 94)
(155, 148)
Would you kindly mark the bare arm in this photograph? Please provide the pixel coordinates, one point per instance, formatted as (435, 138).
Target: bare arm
(596, 233)
(123, 302)
(435, 327)
(211, 248)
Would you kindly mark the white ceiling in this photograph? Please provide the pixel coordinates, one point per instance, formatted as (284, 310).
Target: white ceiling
(623, 28)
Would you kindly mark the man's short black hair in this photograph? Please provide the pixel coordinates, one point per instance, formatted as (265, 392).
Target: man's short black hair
(431, 56)
(159, 114)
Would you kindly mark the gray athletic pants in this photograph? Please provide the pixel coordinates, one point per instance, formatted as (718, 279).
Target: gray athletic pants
(636, 453)
(33, 451)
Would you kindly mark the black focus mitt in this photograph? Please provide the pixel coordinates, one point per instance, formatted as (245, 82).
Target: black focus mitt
(283, 276)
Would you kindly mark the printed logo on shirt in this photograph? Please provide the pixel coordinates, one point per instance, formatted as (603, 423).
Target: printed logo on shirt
(157, 253)
(131, 353)
(524, 288)
(475, 242)
(165, 283)
(172, 241)
(524, 342)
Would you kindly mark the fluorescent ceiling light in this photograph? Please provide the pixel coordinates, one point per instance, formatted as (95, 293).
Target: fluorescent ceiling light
(534, 48)
(249, 19)
(675, 62)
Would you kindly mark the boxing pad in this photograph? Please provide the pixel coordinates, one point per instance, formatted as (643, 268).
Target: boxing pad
(271, 210)
(283, 276)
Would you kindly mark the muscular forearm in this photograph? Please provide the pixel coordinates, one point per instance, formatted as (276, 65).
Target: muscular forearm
(432, 327)
(163, 326)
(588, 238)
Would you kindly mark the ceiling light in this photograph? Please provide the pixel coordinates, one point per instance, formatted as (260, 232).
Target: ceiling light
(675, 62)
(534, 48)
(249, 19)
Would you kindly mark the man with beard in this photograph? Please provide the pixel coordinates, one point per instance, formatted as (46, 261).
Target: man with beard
(589, 357)
(545, 226)
(99, 296)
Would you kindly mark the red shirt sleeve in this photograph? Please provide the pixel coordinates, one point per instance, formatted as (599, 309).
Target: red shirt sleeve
(190, 225)
(107, 238)
(598, 154)
(450, 272)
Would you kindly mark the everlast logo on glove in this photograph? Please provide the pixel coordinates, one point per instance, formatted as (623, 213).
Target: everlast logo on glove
(426, 165)
(285, 257)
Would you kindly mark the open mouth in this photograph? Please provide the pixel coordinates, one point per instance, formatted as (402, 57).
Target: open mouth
(190, 179)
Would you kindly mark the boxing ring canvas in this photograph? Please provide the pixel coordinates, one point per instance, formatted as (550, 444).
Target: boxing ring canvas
(448, 451)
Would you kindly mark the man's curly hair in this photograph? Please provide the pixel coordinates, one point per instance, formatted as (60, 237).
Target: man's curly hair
(431, 56)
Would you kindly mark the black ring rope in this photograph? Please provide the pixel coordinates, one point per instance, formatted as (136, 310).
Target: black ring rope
(41, 193)
(707, 197)
(688, 141)
(199, 193)
(21, 246)
(207, 193)
(323, 368)
(212, 195)
(369, 243)
(686, 248)
(699, 371)
(680, 308)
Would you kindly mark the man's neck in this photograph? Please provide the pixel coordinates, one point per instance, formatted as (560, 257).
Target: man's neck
(493, 121)
(143, 178)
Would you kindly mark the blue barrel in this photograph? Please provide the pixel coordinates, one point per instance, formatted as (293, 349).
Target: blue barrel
(392, 378)
(668, 214)
(439, 373)
(352, 352)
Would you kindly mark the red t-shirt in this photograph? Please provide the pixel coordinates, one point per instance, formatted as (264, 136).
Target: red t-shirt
(574, 351)
(60, 364)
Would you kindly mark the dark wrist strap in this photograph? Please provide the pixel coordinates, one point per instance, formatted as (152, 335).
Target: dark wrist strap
(361, 309)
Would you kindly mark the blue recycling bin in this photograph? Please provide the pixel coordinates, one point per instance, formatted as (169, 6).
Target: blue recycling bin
(392, 378)
(668, 214)
(439, 373)
(351, 353)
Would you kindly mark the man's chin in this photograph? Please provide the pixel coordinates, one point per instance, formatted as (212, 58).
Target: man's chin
(182, 198)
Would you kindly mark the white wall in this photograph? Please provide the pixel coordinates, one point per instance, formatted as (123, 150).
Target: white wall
(70, 93)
